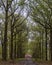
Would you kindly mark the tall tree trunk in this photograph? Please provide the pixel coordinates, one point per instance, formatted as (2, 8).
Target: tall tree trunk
(46, 43)
(1, 38)
(42, 46)
(4, 49)
(19, 46)
(15, 47)
(11, 45)
(12, 31)
(51, 43)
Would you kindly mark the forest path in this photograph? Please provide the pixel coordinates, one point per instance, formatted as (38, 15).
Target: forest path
(27, 62)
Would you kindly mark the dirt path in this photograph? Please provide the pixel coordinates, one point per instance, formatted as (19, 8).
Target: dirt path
(28, 62)
(24, 62)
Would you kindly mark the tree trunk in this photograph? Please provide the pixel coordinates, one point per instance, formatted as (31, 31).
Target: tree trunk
(41, 45)
(19, 47)
(4, 49)
(15, 47)
(51, 43)
(46, 43)
(11, 45)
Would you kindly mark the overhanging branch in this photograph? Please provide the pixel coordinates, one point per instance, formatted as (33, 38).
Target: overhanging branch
(3, 4)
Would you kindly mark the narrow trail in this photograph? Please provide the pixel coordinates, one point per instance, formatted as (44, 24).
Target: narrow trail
(27, 62)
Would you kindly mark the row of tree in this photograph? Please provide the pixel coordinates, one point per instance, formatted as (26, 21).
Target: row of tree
(14, 29)
(41, 13)
(17, 30)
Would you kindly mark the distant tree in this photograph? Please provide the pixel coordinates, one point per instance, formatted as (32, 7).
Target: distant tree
(41, 13)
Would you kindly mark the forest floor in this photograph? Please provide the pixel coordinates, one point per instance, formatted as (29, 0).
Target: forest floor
(44, 63)
(21, 63)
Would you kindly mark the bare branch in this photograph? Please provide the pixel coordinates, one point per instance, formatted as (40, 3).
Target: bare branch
(17, 32)
(3, 4)
(21, 22)
(12, 12)
(9, 5)
(16, 17)
(42, 14)
(40, 23)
